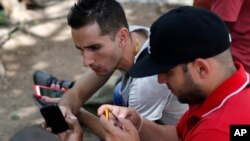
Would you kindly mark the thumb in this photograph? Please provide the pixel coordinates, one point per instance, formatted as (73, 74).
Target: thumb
(107, 125)
(50, 100)
(73, 123)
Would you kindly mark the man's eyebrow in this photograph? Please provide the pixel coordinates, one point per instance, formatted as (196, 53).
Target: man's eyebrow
(89, 46)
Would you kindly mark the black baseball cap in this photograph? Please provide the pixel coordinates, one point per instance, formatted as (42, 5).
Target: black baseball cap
(180, 36)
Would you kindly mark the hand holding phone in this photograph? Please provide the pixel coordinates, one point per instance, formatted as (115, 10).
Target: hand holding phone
(52, 95)
(40, 91)
(54, 118)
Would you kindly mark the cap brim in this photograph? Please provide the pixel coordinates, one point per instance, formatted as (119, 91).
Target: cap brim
(147, 67)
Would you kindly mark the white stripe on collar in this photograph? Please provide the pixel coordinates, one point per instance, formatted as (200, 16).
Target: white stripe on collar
(229, 96)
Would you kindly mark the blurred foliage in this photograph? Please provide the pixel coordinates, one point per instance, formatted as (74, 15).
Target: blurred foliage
(3, 19)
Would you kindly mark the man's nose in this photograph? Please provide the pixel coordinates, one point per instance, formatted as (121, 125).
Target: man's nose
(88, 59)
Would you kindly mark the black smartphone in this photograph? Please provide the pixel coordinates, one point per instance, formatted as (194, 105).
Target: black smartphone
(54, 118)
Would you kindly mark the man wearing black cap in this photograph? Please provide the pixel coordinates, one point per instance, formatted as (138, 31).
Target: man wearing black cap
(190, 53)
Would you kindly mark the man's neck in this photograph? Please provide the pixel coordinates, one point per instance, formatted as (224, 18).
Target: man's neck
(137, 39)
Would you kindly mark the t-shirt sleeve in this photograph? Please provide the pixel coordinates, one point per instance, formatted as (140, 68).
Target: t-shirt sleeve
(148, 97)
(228, 10)
(155, 101)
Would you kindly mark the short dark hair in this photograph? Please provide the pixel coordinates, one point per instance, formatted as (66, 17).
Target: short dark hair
(109, 14)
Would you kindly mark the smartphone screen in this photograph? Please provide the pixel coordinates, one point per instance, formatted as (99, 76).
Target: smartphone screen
(54, 118)
(47, 91)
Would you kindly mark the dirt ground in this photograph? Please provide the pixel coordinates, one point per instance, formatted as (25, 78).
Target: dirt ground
(45, 44)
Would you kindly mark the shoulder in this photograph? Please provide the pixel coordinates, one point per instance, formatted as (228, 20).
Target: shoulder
(137, 27)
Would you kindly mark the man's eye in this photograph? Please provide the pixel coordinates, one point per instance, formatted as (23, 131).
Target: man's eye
(94, 48)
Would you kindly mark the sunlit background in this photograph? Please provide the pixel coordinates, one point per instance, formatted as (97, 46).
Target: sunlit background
(42, 41)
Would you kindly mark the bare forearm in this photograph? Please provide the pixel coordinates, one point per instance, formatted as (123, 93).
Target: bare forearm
(83, 89)
(92, 122)
(152, 131)
(71, 100)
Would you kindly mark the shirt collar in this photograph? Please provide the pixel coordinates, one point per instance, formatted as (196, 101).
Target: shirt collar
(219, 96)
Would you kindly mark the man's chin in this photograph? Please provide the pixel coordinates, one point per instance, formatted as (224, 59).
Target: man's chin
(101, 73)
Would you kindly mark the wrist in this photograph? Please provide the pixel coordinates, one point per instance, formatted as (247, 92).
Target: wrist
(81, 112)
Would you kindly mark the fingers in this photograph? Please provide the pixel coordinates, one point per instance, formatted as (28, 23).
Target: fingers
(130, 129)
(65, 111)
(122, 112)
(44, 125)
(108, 126)
(128, 126)
(74, 124)
(50, 100)
(74, 132)
(102, 108)
(126, 132)
(117, 111)
(55, 84)
(62, 135)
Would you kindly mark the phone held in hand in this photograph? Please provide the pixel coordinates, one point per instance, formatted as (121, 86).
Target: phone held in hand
(40, 91)
(54, 118)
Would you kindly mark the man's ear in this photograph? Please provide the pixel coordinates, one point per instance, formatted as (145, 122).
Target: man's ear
(202, 67)
(123, 36)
